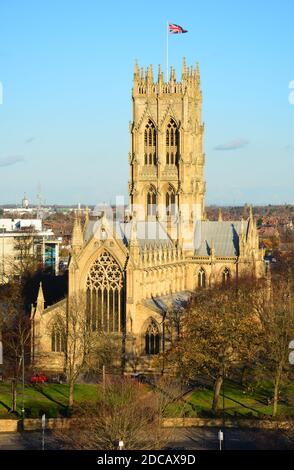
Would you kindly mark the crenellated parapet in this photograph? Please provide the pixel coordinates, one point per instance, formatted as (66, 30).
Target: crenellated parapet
(144, 83)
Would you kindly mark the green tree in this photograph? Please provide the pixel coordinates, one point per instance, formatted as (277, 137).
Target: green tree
(277, 320)
(221, 331)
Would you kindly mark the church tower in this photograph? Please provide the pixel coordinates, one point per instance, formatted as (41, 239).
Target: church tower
(166, 157)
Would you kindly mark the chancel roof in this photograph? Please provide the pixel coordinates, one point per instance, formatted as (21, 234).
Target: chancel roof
(222, 235)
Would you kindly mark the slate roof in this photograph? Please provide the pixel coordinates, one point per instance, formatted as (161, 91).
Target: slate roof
(147, 233)
(176, 301)
(224, 235)
(89, 230)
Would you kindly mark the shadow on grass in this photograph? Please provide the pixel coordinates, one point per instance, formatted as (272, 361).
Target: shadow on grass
(253, 412)
(8, 408)
(47, 395)
(60, 389)
(50, 409)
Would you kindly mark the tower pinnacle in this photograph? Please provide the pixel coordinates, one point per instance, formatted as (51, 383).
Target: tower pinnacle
(77, 234)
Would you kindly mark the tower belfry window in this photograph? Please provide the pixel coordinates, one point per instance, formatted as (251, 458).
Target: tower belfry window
(150, 144)
(172, 143)
(151, 201)
(170, 200)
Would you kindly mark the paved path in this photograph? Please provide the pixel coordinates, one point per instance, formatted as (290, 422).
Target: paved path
(24, 441)
(11, 441)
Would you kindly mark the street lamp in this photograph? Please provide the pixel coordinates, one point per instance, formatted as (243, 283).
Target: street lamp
(220, 438)
(23, 379)
(223, 390)
(1, 355)
(221, 432)
(291, 355)
(43, 430)
(3, 230)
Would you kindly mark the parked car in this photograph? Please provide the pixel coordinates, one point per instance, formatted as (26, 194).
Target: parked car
(39, 378)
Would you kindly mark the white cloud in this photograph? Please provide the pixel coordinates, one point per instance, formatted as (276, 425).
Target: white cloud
(11, 160)
(232, 145)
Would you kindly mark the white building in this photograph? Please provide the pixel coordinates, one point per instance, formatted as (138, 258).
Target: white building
(22, 240)
(9, 225)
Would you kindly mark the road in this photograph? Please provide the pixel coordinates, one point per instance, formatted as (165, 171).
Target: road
(25, 441)
(181, 438)
(234, 439)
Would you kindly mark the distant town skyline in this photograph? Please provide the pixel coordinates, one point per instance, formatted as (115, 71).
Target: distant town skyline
(66, 74)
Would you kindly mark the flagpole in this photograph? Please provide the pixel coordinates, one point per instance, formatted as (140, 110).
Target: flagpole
(167, 51)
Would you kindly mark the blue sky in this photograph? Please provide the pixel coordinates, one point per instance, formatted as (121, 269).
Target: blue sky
(66, 68)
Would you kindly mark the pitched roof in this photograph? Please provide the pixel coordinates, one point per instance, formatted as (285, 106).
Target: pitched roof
(224, 235)
(90, 229)
(176, 301)
(148, 233)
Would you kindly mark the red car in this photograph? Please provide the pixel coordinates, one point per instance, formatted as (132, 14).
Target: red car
(39, 379)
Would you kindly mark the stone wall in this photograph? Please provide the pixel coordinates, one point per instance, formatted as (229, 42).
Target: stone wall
(9, 425)
(14, 425)
(242, 423)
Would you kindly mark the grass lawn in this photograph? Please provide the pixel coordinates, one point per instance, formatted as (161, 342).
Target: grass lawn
(50, 399)
(238, 403)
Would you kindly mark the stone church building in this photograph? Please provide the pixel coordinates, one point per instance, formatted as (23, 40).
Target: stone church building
(133, 271)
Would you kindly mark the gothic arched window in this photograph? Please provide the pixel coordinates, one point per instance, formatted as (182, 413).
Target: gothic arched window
(201, 278)
(170, 201)
(150, 144)
(57, 340)
(172, 143)
(105, 307)
(226, 276)
(151, 201)
(152, 339)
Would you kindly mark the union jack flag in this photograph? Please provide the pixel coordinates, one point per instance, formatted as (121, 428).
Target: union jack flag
(176, 29)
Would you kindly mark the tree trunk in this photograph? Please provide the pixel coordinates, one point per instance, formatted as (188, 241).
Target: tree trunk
(216, 392)
(243, 375)
(71, 393)
(277, 389)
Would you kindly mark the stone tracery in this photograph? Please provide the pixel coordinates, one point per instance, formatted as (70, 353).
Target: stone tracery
(104, 294)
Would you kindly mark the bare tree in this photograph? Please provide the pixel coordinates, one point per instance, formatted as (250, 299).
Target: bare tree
(127, 412)
(24, 260)
(86, 350)
(76, 339)
(15, 327)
